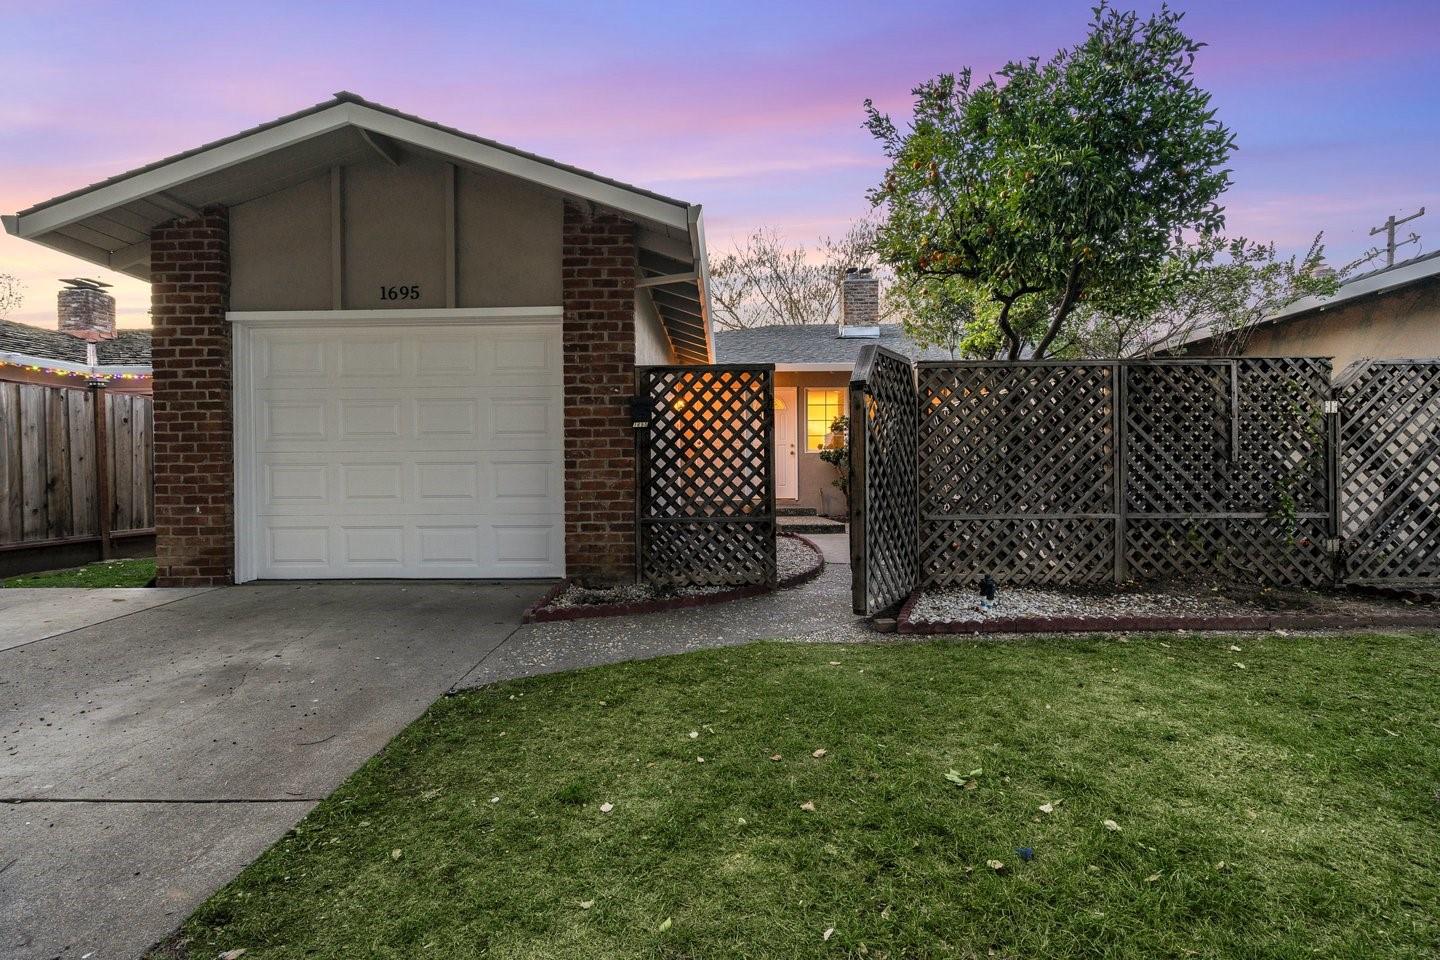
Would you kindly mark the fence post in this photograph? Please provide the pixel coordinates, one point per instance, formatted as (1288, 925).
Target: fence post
(104, 508)
(859, 437)
(1122, 558)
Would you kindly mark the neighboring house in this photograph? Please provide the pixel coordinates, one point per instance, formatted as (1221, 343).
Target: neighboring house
(813, 363)
(387, 348)
(87, 347)
(1392, 313)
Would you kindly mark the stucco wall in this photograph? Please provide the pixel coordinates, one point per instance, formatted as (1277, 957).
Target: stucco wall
(651, 344)
(397, 228)
(1405, 323)
(814, 487)
(280, 246)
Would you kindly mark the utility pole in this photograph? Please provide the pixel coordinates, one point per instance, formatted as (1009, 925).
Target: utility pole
(1388, 228)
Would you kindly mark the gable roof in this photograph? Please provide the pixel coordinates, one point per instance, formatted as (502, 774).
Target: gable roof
(109, 222)
(813, 346)
(20, 341)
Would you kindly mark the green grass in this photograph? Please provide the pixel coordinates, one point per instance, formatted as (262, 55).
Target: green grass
(1286, 809)
(106, 573)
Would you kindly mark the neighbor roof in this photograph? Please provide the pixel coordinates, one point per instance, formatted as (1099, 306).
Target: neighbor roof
(1376, 282)
(812, 346)
(109, 222)
(21, 342)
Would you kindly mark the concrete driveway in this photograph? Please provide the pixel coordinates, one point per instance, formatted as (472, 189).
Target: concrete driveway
(146, 758)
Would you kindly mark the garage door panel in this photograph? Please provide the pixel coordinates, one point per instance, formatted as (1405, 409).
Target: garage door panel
(408, 452)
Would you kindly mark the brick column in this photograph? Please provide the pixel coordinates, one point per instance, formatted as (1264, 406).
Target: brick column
(599, 299)
(194, 463)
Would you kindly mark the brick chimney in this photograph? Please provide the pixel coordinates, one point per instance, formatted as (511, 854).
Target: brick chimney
(860, 303)
(86, 310)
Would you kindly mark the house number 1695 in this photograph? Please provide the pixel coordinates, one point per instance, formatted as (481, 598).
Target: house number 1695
(411, 292)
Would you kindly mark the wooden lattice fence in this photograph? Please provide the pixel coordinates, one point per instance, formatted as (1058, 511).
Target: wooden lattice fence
(1389, 471)
(1017, 472)
(706, 483)
(1226, 469)
(884, 552)
(1091, 472)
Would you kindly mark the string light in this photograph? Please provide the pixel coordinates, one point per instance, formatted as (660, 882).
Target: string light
(82, 374)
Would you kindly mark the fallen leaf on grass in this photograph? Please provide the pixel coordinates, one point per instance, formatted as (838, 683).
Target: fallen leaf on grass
(1234, 649)
(586, 904)
(829, 932)
(1050, 807)
(235, 954)
(775, 758)
(1239, 666)
(819, 753)
(664, 925)
(996, 865)
(1152, 878)
(808, 806)
(1112, 826)
(606, 807)
(396, 854)
(694, 734)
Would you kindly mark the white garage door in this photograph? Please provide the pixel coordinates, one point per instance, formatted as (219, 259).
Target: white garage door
(402, 450)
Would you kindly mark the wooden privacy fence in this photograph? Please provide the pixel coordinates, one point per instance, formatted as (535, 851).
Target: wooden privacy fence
(706, 485)
(58, 466)
(1092, 472)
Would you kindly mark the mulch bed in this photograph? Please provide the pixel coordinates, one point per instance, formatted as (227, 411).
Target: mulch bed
(792, 574)
(1165, 607)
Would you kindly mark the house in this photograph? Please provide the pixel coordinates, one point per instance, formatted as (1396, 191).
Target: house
(384, 347)
(86, 348)
(813, 363)
(1393, 312)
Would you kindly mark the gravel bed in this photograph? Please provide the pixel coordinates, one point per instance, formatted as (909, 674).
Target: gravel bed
(953, 606)
(792, 558)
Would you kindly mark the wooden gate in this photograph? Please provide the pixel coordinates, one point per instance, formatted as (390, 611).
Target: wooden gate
(884, 516)
(1389, 471)
(706, 484)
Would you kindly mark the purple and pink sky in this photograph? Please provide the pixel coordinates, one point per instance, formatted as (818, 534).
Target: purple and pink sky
(753, 109)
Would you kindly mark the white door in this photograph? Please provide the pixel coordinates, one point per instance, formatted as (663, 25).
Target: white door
(400, 449)
(787, 482)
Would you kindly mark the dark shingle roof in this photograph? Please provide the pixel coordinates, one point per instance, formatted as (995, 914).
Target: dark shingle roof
(812, 343)
(130, 348)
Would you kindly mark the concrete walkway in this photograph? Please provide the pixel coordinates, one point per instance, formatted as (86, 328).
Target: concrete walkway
(28, 614)
(146, 759)
(817, 612)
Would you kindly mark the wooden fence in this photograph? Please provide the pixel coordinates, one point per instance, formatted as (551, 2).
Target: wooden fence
(706, 485)
(61, 466)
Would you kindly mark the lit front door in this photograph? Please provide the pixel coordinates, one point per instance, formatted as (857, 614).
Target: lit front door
(787, 483)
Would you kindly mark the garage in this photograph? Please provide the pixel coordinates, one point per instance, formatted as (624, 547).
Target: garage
(387, 348)
(399, 445)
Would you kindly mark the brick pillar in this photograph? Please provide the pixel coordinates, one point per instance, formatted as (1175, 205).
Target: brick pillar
(194, 463)
(599, 299)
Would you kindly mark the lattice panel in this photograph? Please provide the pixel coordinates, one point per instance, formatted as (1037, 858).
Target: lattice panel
(884, 521)
(1261, 550)
(709, 553)
(1010, 440)
(707, 493)
(956, 554)
(1389, 472)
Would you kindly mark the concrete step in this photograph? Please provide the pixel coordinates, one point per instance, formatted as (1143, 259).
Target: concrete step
(795, 511)
(810, 524)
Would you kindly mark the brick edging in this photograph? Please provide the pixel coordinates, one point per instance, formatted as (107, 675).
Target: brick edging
(1236, 622)
(536, 612)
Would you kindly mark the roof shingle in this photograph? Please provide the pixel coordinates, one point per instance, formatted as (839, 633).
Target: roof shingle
(130, 348)
(812, 343)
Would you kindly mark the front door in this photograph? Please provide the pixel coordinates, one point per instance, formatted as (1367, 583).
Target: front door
(787, 482)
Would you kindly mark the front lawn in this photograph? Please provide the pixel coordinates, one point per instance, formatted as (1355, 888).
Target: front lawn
(105, 573)
(1181, 798)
